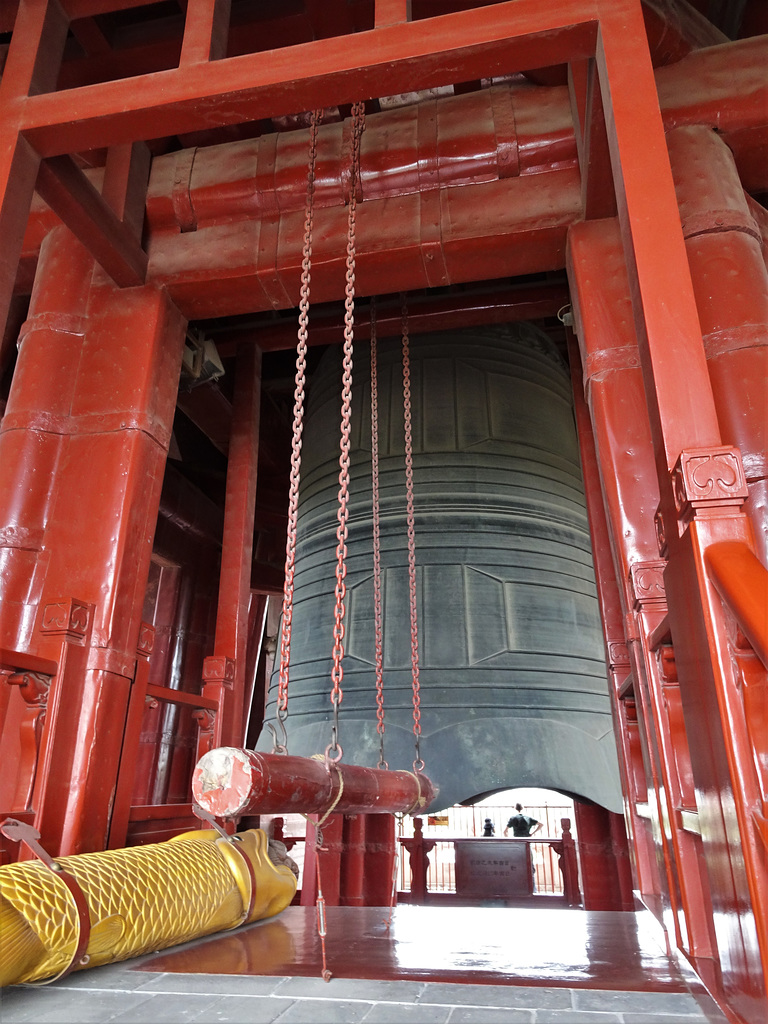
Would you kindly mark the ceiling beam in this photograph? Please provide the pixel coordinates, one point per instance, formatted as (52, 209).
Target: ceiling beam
(512, 36)
(507, 303)
(64, 187)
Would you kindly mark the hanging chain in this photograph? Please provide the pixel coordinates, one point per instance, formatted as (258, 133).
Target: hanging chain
(418, 764)
(281, 712)
(377, 617)
(337, 672)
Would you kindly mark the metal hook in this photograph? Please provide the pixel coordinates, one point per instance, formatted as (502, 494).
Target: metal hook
(277, 746)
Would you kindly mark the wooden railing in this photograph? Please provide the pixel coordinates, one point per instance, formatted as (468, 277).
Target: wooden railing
(419, 848)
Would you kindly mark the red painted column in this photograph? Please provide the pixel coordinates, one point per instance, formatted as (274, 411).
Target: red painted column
(90, 414)
(730, 282)
(622, 437)
(611, 596)
(356, 861)
(30, 447)
(353, 861)
(702, 489)
(603, 857)
(380, 843)
(224, 671)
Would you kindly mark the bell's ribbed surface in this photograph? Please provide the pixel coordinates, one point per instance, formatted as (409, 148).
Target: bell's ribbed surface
(512, 671)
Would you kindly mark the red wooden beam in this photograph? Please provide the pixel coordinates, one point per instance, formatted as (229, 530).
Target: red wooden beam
(19, 165)
(492, 230)
(229, 782)
(671, 345)
(503, 305)
(64, 187)
(598, 197)
(124, 187)
(465, 46)
(205, 31)
(36, 49)
(742, 582)
(391, 12)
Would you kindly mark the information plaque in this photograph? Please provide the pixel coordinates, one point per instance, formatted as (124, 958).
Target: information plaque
(493, 867)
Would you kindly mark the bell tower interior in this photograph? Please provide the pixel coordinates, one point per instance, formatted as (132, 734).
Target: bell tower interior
(521, 250)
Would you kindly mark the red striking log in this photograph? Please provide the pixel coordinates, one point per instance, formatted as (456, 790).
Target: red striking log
(228, 782)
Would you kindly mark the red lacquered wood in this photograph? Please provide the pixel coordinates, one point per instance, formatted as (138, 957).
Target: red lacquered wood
(469, 945)
(229, 782)
(742, 581)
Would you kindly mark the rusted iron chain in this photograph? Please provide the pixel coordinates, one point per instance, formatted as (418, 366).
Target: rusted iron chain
(334, 751)
(375, 520)
(281, 712)
(418, 764)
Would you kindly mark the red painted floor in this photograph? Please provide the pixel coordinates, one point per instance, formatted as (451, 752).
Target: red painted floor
(569, 948)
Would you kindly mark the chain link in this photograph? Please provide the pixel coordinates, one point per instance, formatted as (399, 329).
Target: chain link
(418, 764)
(375, 515)
(337, 671)
(281, 712)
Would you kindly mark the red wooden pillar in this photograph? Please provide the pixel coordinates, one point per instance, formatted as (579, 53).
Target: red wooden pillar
(356, 861)
(730, 282)
(649, 707)
(604, 858)
(91, 412)
(610, 594)
(702, 489)
(380, 845)
(353, 857)
(224, 673)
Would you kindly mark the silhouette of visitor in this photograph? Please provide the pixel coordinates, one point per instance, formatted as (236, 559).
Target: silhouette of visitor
(522, 825)
(488, 828)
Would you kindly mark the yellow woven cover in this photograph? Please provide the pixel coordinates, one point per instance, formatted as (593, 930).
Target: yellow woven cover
(140, 899)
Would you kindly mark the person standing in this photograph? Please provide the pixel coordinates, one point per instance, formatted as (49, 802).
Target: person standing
(522, 825)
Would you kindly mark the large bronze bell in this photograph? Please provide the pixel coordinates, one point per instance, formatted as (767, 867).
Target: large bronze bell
(512, 672)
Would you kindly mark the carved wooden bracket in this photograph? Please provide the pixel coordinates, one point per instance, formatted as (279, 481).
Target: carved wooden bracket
(69, 618)
(618, 655)
(647, 583)
(219, 670)
(146, 642)
(34, 687)
(709, 482)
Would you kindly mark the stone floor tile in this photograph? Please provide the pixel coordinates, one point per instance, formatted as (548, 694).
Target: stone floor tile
(215, 984)
(489, 1015)
(21, 1004)
(70, 1006)
(671, 1003)
(169, 1008)
(407, 1013)
(353, 988)
(579, 1017)
(325, 1011)
(664, 1018)
(110, 976)
(521, 996)
(243, 1010)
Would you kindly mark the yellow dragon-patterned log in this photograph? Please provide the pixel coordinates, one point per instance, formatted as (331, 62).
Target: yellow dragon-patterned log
(138, 900)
